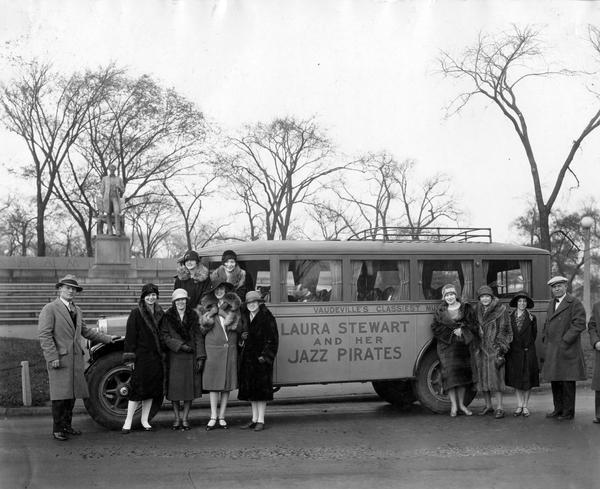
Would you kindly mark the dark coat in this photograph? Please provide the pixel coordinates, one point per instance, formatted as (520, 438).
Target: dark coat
(184, 383)
(594, 331)
(492, 341)
(522, 370)
(60, 339)
(563, 355)
(255, 377)
(196, 285)
(220, 340)
(453, 351)
(143, 348)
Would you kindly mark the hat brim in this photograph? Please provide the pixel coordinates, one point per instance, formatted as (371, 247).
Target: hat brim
(515, 299)
(78, 288)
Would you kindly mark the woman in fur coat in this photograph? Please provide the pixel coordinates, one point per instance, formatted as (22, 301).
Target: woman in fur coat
(220, 324)
(180, 332)
(259, 349)
(192, 276)
(494, 335)
(143, 353)
(229, 271)
(452, 325)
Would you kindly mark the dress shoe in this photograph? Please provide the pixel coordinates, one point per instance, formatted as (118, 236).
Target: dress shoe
(71, 431)
(564, 417)
(148, 428)
(499, 413)
(486, 410)
(60, 436)
(212, 424)
(125, 431)
(465, 411)
(185, 425)
(596, 420)
(259, 427)
(223, 424)
(248, 426)
(553, 414)
(518, 411)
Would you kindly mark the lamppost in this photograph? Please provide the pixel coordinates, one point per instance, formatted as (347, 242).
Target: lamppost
(586, 224)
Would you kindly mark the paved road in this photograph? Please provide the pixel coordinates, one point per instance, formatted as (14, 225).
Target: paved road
(316, 445)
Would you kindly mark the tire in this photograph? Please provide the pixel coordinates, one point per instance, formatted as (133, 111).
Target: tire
(399, 393)
(107, 380)
(428, 385)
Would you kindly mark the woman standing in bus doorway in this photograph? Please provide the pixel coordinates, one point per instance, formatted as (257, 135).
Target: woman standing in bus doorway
(220, 328)
(522, 370)
(258, 352)
(180, 332)
(143, 353)
(492, 341)
(452, 323)
(192, 276)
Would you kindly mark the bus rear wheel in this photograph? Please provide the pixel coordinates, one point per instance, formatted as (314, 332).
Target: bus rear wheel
(397, 392)
(428, 385)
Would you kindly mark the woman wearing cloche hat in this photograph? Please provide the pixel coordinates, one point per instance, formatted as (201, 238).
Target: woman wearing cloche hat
(522, 370)
(258, 352)
(180, 332)
(230, 271)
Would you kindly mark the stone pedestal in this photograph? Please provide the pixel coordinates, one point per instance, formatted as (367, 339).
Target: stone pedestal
(112, 262)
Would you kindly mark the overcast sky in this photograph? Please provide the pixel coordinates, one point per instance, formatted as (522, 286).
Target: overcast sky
(366, 69)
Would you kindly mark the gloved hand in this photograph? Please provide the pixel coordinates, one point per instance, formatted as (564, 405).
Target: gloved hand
(185, 348)
(261, 359)
(199, 365)
(244, 335)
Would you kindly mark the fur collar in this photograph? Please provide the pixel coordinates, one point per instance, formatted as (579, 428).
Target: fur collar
(493, 311)
(183, 328)
(199, 274)
(237, 277)
(152, 320)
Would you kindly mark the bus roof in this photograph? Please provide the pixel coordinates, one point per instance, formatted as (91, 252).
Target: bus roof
(289, 247)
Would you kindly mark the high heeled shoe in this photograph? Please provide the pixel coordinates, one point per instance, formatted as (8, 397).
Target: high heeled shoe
(223, 424)
(176, 425)
(486, 410)
(185, 425)
(212, 424)
(465, 411)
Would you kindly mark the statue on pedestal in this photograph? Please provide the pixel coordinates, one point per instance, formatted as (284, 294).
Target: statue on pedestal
(110, 204)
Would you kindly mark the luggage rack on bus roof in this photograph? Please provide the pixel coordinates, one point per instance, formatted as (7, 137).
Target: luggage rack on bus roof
(386, 233)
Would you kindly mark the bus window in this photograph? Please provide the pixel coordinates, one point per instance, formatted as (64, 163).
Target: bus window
(311, 280)
(437, 273)
(380, 280)
(507, 277)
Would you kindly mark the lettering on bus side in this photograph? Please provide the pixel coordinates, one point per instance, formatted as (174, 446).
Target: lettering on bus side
(338, 339)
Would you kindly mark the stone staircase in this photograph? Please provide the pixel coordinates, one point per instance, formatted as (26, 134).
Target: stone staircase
(21, 303)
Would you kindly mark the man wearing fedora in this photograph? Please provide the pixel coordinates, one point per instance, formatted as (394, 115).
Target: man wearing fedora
(563, 355)
(60, 328)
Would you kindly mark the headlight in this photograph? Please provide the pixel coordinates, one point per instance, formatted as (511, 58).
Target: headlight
(103, 325)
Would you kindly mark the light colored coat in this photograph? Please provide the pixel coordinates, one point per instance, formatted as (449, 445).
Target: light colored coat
(563, 355)
(60, 339)
(594, 332)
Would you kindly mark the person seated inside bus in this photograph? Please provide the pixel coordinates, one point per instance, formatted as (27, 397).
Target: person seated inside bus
(304, 294)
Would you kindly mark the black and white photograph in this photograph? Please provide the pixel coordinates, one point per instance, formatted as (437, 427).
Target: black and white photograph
(299, 244)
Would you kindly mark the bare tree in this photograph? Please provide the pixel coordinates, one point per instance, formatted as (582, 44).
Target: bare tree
(332, 219)
(49, 112)
(277, 169)
(148, 132)
(152, 223)
(17, 226)
(495, 67)
(388, 194)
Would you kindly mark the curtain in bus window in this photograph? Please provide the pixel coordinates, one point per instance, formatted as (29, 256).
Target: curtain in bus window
(485, 265)
(467, 270)
(421, 291)
(403, 274)
(284, 267)
(336, 280)
(525, 267)
(356, 269)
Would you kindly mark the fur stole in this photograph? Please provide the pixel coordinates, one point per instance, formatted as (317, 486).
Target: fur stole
(229, 310)
(199, 274)
(183, 328)
(207, 321)
(152, 321)
(237, 277)
(495, 310)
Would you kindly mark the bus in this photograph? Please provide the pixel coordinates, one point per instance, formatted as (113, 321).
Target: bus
(358, 310)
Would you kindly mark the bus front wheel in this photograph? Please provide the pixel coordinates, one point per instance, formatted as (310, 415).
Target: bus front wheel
(428, 385)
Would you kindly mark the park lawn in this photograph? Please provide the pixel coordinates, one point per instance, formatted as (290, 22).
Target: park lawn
(12, 352)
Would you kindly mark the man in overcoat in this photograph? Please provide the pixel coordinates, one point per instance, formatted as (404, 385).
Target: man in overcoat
(563, 355)
(60, 328)
(594, 332)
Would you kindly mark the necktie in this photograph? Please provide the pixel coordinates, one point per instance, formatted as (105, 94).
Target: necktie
(73, 314)
(556, 302)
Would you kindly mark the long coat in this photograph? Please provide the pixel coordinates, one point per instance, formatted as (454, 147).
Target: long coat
(196, 284)
(183, 382)
(256, 378)
(221, 344)
(60, 339)
(453, 352)
(594, 331)
(143, 347)
(563, 355)
(493, 338)
(522, 370)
